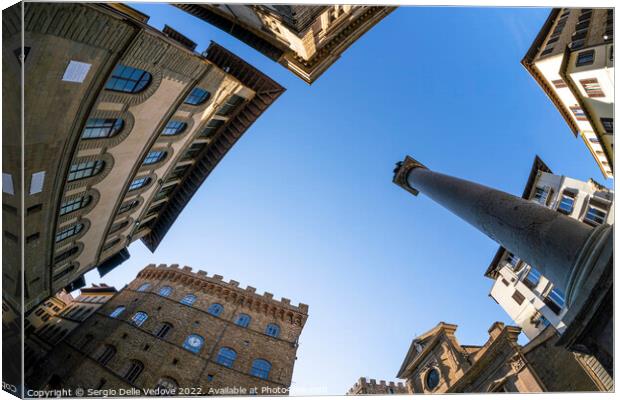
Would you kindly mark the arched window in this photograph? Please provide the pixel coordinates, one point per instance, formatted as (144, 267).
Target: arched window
(193, 343)
(154, 157)
(215, 309)
(128, 79)
(118, 226)
(272, 330)
(167, 385)
(211, 127)
(117, 311)
(127, 206)
(174, 128)
(111, 244)
(134, 370)
(66, 254)
(139, 182)
(260, 368)
(139, 318)
(243, 320)
(163, 330)
(75, 204)
(97, 128)
(144, 287)
(165, 291)
(197, 96)
(188, 300)
(84, 170)
(107, 354)
(68, 232)
(64, 272)
(226, 356)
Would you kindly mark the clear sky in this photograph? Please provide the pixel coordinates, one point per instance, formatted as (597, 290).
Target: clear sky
(303, 206)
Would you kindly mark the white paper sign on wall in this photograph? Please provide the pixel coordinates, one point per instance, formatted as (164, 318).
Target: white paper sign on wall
(76, 72)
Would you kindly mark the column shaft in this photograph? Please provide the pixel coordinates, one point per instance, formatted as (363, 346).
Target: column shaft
(547, 240)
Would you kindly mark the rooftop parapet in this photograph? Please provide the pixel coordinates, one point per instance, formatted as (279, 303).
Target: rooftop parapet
(373, 387)
(219, 280)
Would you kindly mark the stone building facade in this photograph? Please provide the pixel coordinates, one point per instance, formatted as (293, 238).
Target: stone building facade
(182, 333)
(123, 123)
(305, 39)
(61, 321)
(529, 297)
(437, 363)
(371, 386)
(572, 61)
(46, 311)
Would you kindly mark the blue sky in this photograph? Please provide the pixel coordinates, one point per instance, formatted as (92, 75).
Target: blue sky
(304, 207)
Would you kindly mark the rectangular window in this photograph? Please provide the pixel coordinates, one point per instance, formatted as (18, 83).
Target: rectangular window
(212, 127)
(592, 87)
(518, 297)
(585, 16)
(581, 26)
(10, 236)
(164, 192)
(567, 202)
(579, 35)
(193, 150)
(76, 72)
(32, 237)
(541, 195)
(7, 184)
(532, 278)
(34, 209)
(36, 182)
(230, 105)
(584, 58)
(546, 51)
(512, 260)
(555, 300)
(577, 44)
(559, 83)
(578, 113)
(596, 213)
(608, 124)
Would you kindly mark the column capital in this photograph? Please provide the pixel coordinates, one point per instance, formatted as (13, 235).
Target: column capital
(402, 171)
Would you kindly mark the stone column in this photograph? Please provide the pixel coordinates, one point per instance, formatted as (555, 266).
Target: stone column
(574, 256)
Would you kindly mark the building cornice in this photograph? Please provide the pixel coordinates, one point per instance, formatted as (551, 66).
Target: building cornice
(486, 355)
(413, 358)
(267, 91)
(256, 39)
(200, 280)
(311, 69)
(530, 66)
(584, 108)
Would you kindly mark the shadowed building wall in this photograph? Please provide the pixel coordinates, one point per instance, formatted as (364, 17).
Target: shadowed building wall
(305, 39)
(123, 123)
(174, 329)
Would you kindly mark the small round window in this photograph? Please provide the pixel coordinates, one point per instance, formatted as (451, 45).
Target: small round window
(432, 379)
